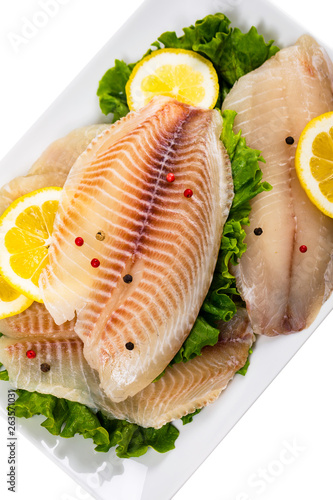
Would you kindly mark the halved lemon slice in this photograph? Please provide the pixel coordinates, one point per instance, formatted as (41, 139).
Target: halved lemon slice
(314, 162)
(25, 234)
(181, 74)
(11, 301)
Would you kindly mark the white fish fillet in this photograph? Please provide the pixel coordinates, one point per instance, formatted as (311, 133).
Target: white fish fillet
(36, 321)
(50, 170)
(183, 388)
(26, 184)
(61, 155)
(52, 167)
(284, 288)
(166, 242)
(67, 377)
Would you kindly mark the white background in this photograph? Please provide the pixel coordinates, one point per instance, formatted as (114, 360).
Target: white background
(296, 411)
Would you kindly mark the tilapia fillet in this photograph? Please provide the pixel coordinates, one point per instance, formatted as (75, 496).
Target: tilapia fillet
(183, 388)
(52, 167)
(155, 248)
(36, 321)
(50, 170)
(26, 184)
(61, 155)
(283, 287)
(186, 387)
(67, 375)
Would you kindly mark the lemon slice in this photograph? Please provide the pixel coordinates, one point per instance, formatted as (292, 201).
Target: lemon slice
(11, 301)
(181, 74)
(314, 162)
(25, 234)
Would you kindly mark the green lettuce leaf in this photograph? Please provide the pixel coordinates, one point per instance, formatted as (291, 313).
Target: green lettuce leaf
(187, 419)
(133, 441)
(235, 54)
(67, 418)
(111, 90)
(202, 334)
(3, 372)
(246, 172)
(243, 370)
(232, 53)
(203, 32)
(64, 418)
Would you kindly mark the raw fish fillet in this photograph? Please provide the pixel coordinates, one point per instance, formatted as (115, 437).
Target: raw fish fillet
(283, 288)
(52, 167)
(26, 184)
(183, 388)
(69, 376)
(158, 248)
(50, 170)
(62, 154)
(36, 321)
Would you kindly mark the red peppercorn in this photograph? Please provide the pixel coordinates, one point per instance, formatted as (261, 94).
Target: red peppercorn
(79, 241)
(303, 248)
(170, 177)
(188, 193)
(95, 263)
(31, 354)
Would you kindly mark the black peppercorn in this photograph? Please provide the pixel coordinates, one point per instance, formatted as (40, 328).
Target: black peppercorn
(128, 278)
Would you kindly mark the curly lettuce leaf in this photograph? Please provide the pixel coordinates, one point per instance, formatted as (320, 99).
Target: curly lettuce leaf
(111, 90)
(67, 418)
(218, 306)
(201, 335)
(232, 53)
(3, 373)
(243, 371)
(247, 175)
(64, 418)
(133, 441)
(187, 419)
(203, 32)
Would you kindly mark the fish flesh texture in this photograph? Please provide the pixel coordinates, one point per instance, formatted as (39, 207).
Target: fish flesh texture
(61, 155)
(36, 321)
(52, 167)
(69, 375)
(165, 243)
(26, 184)
(149, 252)
(284, 288)
(184, 388)
(50, 170)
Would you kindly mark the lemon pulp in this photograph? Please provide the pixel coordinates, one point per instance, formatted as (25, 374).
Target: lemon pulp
(25, 235)
(314, 162)
(181, 74)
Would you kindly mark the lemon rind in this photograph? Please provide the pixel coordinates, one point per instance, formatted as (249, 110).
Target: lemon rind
(18, 305)
(7, 221)
(302, 156)
(160, 52)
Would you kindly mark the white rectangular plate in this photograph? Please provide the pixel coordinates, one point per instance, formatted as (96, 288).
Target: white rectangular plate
(154, 476)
